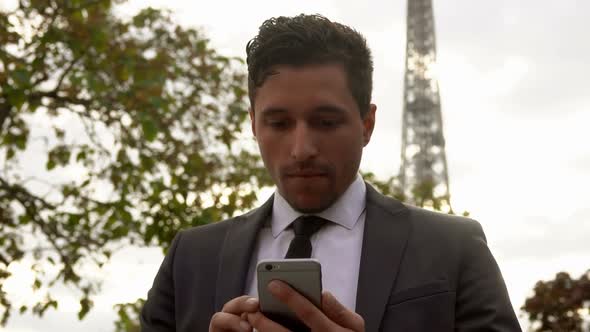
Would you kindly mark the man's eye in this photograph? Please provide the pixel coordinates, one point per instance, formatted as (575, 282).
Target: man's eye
(278, 124)
(328, 123)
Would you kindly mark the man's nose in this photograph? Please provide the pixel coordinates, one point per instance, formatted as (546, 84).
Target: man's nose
(304, 145)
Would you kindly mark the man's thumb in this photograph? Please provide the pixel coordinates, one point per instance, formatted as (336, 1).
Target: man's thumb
(339, 314)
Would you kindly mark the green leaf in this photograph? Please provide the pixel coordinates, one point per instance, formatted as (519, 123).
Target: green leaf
(81, 155)
(85, 305)
(50, 164)
(17, 98)
(21, 142)
(9, 153)
(120, 231)
(146, 162)
(150, 130)
(21, 76)
(201, 46)
(59, 133)
(126, 216)
(36, 284)
(85, 183)
(24, 219)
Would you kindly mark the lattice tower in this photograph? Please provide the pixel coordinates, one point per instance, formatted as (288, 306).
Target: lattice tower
(424, 162)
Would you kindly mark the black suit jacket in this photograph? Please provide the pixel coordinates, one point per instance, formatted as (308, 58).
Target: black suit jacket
(419, 271)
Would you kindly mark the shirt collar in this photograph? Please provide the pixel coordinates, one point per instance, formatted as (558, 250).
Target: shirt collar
(345, 211)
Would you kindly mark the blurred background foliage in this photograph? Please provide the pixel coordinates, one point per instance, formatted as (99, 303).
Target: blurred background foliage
(146, 136)
(144, 118)
(561, 304)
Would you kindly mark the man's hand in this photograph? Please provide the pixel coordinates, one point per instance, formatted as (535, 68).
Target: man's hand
(233, 315)
(334, 317)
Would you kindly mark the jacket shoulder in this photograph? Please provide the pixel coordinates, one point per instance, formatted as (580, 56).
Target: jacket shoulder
(443, 223)
(425, 221)
(210, 229)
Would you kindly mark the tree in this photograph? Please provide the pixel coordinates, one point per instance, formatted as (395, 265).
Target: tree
(423, 194)
(558, 304)
(146, 123)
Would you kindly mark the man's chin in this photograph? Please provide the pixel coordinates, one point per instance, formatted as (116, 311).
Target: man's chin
(310, 205)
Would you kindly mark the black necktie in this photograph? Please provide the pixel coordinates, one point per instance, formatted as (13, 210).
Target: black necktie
(304, 227)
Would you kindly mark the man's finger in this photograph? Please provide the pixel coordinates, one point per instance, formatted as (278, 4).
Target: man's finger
(263, 324)
(240, 305)
(341, 315)
(306, 311)
(223, 321)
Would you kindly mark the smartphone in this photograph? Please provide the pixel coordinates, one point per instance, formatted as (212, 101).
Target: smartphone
(303, 275)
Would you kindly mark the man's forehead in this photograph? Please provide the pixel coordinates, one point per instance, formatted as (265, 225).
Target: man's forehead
(318, 86)
(303, 79)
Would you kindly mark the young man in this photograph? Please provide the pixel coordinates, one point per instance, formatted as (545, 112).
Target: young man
(386, 266)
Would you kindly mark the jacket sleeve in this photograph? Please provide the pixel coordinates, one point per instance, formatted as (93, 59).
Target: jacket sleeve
(482, 299)
(158, 313)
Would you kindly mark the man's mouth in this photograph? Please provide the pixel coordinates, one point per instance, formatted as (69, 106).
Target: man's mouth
(306, 174)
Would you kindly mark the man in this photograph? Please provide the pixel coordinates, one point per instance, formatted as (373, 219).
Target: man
(386, 266)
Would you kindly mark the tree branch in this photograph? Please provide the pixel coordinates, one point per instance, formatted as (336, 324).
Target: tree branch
(91, 133)
(30, 202)
(27, 201)
(64, 99)
(4, 113)
(4, 261)
(67, 71)
(21, 194)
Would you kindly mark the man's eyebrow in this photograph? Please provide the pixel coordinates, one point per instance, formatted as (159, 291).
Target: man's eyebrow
(322, 109)
(272, 111)
(330, 109)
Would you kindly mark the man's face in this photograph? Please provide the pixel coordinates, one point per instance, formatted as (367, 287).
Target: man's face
(310, 133)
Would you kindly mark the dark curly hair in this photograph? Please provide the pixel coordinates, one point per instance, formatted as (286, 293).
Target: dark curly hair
(311, 39)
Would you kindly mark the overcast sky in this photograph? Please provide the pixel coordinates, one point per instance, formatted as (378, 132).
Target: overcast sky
(514, 79)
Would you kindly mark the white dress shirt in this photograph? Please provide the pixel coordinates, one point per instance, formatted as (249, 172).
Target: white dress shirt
(337, 245)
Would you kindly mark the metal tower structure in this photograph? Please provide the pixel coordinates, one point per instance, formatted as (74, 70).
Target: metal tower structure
(424, 163)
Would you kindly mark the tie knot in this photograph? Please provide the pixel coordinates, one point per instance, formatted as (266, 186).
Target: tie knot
(307, 225)
(303, 227)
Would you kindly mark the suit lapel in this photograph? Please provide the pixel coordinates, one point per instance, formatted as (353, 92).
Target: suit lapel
(384, 242)
(236, 254)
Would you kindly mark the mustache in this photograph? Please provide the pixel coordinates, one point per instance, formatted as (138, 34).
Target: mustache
(305, 167)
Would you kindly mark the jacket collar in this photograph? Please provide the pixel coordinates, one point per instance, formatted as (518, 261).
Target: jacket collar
(384, 243)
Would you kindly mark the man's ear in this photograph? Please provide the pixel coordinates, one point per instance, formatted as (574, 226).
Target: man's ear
(369, 123)
(251, 112)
